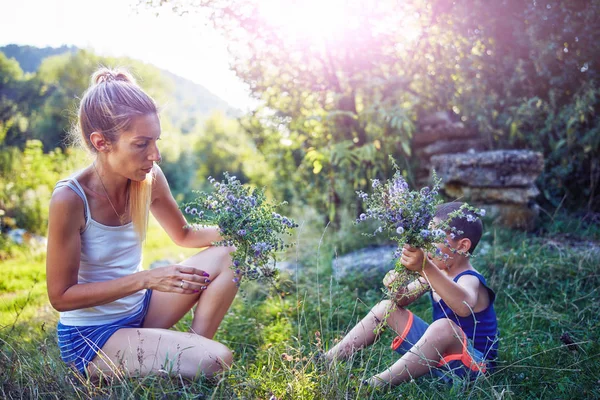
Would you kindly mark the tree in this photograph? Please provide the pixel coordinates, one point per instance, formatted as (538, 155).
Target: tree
(343, 83)
(20, 94)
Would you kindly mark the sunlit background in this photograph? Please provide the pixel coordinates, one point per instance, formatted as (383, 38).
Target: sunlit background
(184, 45)
(313, 100)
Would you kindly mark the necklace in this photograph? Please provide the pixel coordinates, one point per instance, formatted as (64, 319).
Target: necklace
(120, 216)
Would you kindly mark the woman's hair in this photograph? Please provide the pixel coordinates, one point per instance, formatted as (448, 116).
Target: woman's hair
(109, 106)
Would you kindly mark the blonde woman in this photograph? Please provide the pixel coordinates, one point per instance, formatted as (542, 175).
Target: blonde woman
(115, 316)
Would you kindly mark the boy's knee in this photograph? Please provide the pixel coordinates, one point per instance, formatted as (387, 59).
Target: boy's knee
(381, 308)
(384, 303)
(444, 327)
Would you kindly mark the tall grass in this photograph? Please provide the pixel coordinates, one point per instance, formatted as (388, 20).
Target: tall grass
(547, 304)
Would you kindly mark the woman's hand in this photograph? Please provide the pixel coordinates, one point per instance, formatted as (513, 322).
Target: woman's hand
(177, 278)
(412, 258)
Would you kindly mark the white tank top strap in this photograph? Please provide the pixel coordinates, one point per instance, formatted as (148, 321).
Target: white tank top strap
(76, 187)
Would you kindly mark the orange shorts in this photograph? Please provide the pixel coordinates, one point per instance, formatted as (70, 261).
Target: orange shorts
(470, 362)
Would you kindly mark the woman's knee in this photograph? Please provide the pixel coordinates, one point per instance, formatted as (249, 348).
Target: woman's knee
(223, 256)
(222, 355)
(226, 356)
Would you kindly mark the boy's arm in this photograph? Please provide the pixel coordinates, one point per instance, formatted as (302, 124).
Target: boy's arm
(405, 295)
(461, 298)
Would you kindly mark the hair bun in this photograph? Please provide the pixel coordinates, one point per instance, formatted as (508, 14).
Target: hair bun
(106, 75)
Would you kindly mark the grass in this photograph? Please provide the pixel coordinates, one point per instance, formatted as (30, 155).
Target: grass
(546, 284)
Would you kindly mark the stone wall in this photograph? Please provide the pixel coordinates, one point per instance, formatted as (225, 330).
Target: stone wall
(501, 181)
(437, 134)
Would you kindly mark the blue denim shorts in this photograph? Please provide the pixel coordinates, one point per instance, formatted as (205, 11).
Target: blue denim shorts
(80, 344)
(469, 364)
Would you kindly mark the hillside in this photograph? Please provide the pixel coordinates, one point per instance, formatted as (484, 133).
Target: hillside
(30, 57)
(191, 102)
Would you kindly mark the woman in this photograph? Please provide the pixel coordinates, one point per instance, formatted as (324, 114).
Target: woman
(115, 316)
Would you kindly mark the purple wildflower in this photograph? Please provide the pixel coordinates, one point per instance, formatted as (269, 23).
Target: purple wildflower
(438, 233)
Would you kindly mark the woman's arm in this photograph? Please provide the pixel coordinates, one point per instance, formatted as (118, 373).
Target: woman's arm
(66, 218)
(167, 213)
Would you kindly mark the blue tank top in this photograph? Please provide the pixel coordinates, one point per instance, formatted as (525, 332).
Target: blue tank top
(481, 327)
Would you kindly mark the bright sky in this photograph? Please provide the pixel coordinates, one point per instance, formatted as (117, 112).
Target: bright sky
(182, 45)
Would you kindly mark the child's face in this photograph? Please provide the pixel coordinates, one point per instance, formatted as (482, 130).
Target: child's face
(444, 258)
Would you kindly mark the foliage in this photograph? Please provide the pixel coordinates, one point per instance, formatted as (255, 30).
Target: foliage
(27, 179)
(343, 83)
(30, 57)
(20, 96)
(224, 146)
(247, 221)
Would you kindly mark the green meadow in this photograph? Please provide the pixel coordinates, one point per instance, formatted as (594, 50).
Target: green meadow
(547, 304)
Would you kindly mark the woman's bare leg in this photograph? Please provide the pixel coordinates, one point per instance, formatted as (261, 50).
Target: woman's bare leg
(153, 347)
(166, 309)
(144, 351)
(217, 298)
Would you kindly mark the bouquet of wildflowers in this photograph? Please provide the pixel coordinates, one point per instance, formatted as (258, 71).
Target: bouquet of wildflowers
(405, 216)
(245, 220)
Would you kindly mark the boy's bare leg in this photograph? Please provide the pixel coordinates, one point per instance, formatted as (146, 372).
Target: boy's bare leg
(442, 337)
(363, 334)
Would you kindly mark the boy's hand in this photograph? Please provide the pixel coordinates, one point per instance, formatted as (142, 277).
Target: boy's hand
(389, 278)
(398, 293)
(412, 258)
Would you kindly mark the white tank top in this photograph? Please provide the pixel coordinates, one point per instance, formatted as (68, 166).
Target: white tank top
(107, 252)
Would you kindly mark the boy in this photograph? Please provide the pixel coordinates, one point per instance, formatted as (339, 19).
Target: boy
(463, 335)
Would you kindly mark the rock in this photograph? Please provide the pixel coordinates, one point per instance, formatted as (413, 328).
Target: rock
(514, 216)
(454, 130)
(17, 235)
(450, 146)
(289, 267)
(31, 240)
(499, 168)
(488, 195)
(369, 262)
(434, 120)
